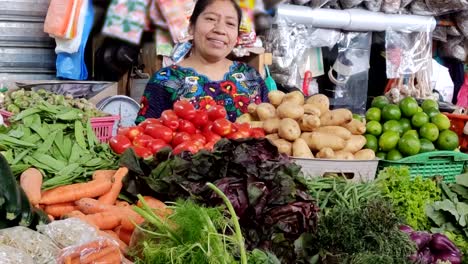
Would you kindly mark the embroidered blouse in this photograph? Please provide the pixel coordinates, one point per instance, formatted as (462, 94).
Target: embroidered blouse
(241, 86)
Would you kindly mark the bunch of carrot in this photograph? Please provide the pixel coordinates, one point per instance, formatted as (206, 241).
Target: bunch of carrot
(97, 251)
(95, 202)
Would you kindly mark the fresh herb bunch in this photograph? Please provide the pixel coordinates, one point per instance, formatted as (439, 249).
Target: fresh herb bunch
(364, 235)
(409, 196)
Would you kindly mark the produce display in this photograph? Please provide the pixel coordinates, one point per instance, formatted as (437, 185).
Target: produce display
(184, 129)
(396, 131)
(20, 100)
(307, 128)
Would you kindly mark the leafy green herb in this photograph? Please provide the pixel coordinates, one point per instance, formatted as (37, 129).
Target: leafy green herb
(409, 197)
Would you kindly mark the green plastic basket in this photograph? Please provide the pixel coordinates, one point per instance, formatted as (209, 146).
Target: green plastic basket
(447, 164)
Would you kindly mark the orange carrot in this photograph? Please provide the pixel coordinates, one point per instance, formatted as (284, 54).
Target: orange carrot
(122, 203)
(112, 235)
(93, 206)
(73, 192)
(105, 220)
(159, 207)
(68, 260)
(76, 251)
(128, 217)
(103, 174)
(31, 182)
(58, 210)
(90, 258)
(111, 196)
(51, 217)
(113, 257)
(124, 235)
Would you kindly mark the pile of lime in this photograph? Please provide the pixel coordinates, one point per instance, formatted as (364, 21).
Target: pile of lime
(396, 131)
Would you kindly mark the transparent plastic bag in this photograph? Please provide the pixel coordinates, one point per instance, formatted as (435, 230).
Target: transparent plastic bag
(99, 251)
(350, 3)
(69, 232)
(405, 3)
(419, 7)
(11, 255)
(441, 7)
(440, 34)
(453, 31)
(373, 5)
(391, 6)
(40, 247)
(454, 48)
(462, 22)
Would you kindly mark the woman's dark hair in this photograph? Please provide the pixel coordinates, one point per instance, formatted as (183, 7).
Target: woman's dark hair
(201, 5)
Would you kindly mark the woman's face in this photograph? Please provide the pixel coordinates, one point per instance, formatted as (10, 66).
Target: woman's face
(215, 31)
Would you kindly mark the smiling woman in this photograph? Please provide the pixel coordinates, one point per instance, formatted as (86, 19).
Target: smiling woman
(207, 78)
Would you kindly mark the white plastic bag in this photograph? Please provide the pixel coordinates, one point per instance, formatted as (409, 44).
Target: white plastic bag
(72, 45)
(441, 81)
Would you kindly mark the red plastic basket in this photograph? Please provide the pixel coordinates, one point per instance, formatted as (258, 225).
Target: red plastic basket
(457, 125)
(102, 126)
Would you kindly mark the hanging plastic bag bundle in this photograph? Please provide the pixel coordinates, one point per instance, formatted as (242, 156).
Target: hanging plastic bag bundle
(177, 14)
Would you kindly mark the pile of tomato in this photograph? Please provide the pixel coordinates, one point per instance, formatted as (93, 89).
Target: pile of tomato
(183, 128)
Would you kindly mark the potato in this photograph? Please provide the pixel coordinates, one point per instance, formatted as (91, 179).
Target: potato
(326, 153)
(344, 155)
(283, 146)
(301, 150)
(245, 118)
(289, 129)
(317, 141)
(295, 97)
(311, 110)
(266, 111)
(276, 97)
(321, 101)
(336, 117)
(272, 136)
(256, 124)
(355, 143)
(290, 110)
(336, 130)
(271, 125)
(365, 154)
(356, 127)
(309, 122)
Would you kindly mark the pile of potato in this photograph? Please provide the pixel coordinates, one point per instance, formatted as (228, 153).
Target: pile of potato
(307, 128)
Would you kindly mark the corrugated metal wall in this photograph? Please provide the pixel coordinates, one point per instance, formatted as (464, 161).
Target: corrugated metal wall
(26, 52)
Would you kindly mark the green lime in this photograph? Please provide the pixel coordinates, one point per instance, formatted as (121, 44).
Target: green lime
(392, 125)
(429, 131)
(381, 155)
(432, 112)
(448, 140)
(426, 145)
(409, 106)
(419, 119)
(441, 121)
(388, 140)
(409, 146)
(371, 142)
(374, 128)
(373, 114)
(380, 102)
(428, 104)
(358, 117)
(420, 110)
(394, 155)
(411, 133)
(391, 112)
(405, 124)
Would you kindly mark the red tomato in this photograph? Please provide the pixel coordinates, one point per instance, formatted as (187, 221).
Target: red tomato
(119, 143)
(142, 140)
(237, 135)
(184, 109)
(123, 131)
(149, 121)
(142, 152)
(180, 137)
(257, 132)
(159, 131)
(133, 132)
(209, 134)
(216, 112)
(170, 119)
(156, 145)
(200, 119)
(190, 146)
(186, 126)
(222, 127)
(210, 145)
(199, 138)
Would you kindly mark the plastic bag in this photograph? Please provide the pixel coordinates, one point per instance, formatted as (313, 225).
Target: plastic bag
(441, 7)
(462, 22)
(440, 34)
(350, 3)
(391, 6)
(72, 45)
(462, 98)
(247, 34)
(441, 81)
(407, 52)
(419, 7)
(69, 232)
(454, 48)
(374, 5)
(11, 255)
(40, 247)
(101, 250)
(405, 3)
(58, 17)
(156, 16)
(453, 31)
(72, 65)
(177, 14)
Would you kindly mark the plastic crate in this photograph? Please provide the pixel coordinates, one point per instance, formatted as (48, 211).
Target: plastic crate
(354, 170)
(447, 164)
(102, 126)
(457, 125)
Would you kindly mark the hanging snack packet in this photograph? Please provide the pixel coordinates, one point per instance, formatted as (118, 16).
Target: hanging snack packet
(247, 35)
(177, 14)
